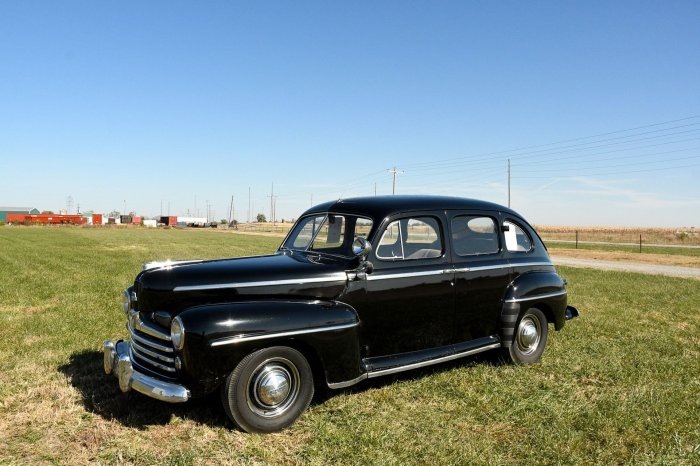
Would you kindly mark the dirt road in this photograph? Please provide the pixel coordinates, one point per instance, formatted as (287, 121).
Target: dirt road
(653, 269)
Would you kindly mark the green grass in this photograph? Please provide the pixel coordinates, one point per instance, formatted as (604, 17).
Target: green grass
(619, 385)
(554, 244)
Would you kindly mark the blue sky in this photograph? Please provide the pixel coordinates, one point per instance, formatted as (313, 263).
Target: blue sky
(145, 102)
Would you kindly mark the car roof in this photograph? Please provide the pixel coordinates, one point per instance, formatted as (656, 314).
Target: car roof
(379, 207)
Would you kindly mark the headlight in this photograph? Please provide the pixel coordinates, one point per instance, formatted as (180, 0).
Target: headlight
(126, 301)
(177, 333)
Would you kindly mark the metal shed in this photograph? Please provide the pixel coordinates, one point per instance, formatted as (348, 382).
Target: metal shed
(16, 210)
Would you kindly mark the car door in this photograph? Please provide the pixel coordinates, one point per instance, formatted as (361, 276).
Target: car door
(410, 295)
(482, 273)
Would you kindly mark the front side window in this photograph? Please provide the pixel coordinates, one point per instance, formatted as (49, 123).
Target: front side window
(305, 231)
(474, 235)
(411, 238)
(517, 239)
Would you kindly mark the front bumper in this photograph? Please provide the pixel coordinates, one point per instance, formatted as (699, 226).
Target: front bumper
(117, 361)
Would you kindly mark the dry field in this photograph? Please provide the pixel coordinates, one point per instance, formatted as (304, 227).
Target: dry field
(666, 236)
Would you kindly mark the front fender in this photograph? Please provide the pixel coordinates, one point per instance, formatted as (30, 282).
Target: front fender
(544, 290)
(218, 336)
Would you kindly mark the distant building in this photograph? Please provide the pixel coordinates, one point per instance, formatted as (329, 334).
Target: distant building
(16, 210)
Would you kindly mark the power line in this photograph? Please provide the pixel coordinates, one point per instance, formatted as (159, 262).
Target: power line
(508, 151)
(549, 152)
(625, 172)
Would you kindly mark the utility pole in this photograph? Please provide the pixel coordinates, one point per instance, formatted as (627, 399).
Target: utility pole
(509, 183)
(230, 212)
(272, 202)
(394, 172)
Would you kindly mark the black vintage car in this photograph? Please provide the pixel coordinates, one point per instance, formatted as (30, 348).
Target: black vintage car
(359, 288)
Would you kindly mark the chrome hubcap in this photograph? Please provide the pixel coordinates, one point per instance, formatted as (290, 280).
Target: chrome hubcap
(273, 387)
(528, 336)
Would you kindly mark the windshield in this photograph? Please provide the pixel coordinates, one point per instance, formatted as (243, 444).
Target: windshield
(328, 233)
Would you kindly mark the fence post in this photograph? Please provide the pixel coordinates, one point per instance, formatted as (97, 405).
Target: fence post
(640, 243)
(576, 239)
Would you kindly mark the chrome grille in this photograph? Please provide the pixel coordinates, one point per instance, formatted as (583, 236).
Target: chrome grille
(151, 347)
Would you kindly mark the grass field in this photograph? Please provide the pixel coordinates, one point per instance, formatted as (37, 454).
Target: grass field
(621, 384)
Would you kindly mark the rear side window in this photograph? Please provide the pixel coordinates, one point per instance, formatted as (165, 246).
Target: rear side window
(411, 238)
(517, 239)
(474, 235)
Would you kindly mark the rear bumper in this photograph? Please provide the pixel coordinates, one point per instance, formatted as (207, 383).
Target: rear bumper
(117, 361)
(571, 312)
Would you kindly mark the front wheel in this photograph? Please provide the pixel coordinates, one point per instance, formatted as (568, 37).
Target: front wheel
(268, 390)
(529, 339)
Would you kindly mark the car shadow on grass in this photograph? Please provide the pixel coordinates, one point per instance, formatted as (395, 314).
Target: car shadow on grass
(101, 395)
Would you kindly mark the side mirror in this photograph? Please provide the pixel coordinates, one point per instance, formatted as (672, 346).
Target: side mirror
(361, 247)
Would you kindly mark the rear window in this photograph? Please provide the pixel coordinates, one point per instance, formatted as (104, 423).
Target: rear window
(517, 239)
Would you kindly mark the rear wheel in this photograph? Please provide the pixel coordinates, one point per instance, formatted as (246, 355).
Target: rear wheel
(529, 339)
(268, 390)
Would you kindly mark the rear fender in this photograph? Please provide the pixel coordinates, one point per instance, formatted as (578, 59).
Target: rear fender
(543, 290)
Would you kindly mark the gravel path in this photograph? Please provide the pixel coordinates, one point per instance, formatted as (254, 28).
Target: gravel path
(669, 270)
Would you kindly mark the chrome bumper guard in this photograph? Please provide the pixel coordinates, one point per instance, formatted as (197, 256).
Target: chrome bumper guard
(118, 362)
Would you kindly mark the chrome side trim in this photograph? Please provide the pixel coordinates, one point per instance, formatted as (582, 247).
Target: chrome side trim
(298, 281)
(146, 328)
(501, 266)
(530, 264)
(347, 383)
(245, 338)
(539, 296)
(482, 267)
(408, 274)
(416, 365)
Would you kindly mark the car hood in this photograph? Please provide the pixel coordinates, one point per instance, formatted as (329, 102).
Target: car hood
(276, 276)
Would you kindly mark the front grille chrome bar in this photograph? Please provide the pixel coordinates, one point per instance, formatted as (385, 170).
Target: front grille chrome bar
(152, 344)
(145, 327)
(140, 349)
(150, 347)
(147, 360)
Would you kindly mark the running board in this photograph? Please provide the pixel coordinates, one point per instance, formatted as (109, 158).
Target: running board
(386, 365)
